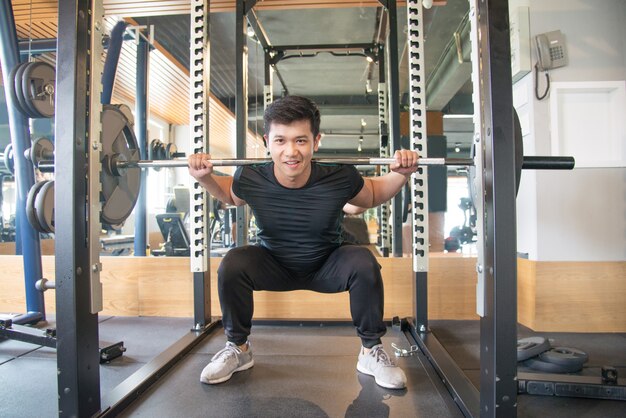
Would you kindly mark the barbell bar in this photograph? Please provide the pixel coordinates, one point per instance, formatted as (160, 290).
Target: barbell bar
(118, 165)
(253, 161)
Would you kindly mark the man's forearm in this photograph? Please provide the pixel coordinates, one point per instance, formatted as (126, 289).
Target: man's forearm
(386, 187)
(218, 187)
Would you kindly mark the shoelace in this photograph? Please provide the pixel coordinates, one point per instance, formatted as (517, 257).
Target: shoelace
(225, 353)
(382, 357)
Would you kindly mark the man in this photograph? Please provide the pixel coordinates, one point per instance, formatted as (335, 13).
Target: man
(298, 206)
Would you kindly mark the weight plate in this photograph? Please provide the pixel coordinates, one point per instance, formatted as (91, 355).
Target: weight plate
(170, 150)
(544, 366)
(119, 193)
(42, 149)
(17, 85)
(11, 89)
(31, 213)
(38, 86)
(152, 149)
(162, 154)
(9, 163)
(519, 150)
(519, 160)
(565, 356)
(44, 207)
(531, 347)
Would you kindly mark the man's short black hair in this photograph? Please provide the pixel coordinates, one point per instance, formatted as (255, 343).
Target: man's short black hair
(290, 109)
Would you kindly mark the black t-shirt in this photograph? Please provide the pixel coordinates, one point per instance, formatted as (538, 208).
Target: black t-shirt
(302, 226)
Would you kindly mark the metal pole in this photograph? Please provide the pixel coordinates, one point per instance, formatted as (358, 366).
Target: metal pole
(394, 120)
(241, 104)
(141, 131)
(24, 175)
(419, 180)
(383, 116)
(199, 88)
(498, 325)
(78, 359)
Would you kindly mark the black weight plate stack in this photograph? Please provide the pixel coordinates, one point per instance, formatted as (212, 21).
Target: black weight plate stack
(119, 193)
(531, 347)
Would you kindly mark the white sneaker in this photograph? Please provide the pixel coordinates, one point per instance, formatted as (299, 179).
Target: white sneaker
(377, 363)
(225, 362)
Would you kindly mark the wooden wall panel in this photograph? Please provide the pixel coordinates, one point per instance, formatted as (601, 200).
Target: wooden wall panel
(162, 286)
(552, 296)
(580, 297)
(526, 290)
(451, 287)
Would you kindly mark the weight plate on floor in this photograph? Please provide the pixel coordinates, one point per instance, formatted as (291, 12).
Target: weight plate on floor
(31, 212)
(17, 85)
(44, 207)
(531, 347)
(38, 85)
(119, 192)
(544, 366)
(565, 356)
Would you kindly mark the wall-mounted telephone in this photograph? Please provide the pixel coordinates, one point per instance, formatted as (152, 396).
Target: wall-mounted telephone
(551, 50)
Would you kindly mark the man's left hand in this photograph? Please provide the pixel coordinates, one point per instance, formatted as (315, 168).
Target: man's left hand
(406, 162)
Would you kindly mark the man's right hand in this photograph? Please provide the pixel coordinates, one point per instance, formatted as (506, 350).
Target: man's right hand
(199, 165)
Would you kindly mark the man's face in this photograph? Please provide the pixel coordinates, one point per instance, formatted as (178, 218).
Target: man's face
(291, 148)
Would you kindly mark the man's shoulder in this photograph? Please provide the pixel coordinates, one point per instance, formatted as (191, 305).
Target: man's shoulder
(331, 168)
(255, 170)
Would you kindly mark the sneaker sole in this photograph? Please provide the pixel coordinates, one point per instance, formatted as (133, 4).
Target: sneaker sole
(378, 382)
(227, 377)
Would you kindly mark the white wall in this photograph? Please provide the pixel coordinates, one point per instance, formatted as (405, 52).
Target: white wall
(577, 215)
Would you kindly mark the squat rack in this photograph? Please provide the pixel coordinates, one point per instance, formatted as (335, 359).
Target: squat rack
(77, 263)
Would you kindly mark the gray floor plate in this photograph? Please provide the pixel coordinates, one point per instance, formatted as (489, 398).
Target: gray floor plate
(308, 372)
(303, 371)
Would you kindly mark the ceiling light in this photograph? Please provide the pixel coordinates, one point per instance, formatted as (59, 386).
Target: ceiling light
(250, 32)
(427, 4)
(363, 123)
(457, 147)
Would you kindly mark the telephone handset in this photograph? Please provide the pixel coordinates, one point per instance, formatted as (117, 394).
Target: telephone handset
(551, 50)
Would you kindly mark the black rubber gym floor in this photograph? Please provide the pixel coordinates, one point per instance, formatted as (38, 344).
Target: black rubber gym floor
(304, 371)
